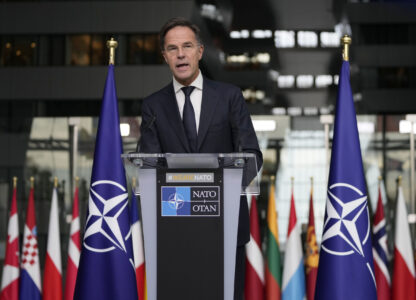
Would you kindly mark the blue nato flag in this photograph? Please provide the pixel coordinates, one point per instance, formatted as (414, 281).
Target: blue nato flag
(106, 268)
(346, 262)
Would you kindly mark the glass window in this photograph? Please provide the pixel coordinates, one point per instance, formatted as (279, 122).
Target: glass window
(18, 50)
(87, 49)
(144, 49)
(378, 34)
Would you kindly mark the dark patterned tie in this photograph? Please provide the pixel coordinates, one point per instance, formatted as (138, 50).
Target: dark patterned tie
(188, 118)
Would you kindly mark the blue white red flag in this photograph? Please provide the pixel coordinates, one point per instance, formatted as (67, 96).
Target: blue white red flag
(30, 283)
(345, 268)
(293, 281)
(106, 267)
(380, 251)
(137, 236)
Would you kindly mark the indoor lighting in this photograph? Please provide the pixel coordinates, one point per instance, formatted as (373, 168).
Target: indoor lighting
(330, 39)
(285, 81)
(264, 125)
(304, 81)
(279, 111)
(365, 127)
(404, 126)
(261, 34)
(294, 111)
(322, 81)
(308, 39)
(125, 129)
(284, 39)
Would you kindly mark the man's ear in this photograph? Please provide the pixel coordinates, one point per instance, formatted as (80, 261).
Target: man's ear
(201, 51)
(164, 56)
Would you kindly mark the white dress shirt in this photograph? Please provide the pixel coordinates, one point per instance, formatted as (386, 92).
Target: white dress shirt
(196, 97)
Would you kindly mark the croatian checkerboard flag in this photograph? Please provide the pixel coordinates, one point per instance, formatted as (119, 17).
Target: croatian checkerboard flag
(30, 283)
(106, 267)
(137, 236)
(52, 277)
(345, 268)
(293, 281)
(10, 277)
(380, 251)
(74, 249)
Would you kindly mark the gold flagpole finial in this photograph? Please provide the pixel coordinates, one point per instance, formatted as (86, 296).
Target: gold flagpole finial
(346, 42)
(32, 182)
(380, 178)
(312, 180)
(55, 182)
(76, 181)
(292, 180)
(112, 45)
(14, 182)
(399, 180)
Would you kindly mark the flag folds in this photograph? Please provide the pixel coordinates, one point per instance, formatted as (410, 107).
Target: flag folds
(254, 283)
(30, 283)
(273, 263)
(137, 236)
(293, 281)
(404, 282)
(345, 268)
(106, 267)
(380, 251)
(10, 277)
(312, 255)
(74, 247)
(52, 277)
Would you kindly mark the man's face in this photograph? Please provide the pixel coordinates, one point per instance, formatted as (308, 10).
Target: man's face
(182, 53)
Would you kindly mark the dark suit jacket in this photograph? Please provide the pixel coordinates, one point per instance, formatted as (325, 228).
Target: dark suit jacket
(225, 126)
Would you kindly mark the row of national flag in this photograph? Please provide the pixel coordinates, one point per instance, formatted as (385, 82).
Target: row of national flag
(353, 261)
(264, 272)
(21, 277)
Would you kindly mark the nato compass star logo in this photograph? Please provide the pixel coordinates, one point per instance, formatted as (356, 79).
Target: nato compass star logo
(108, 200)
(343, 219)
(176, 201)
(347, 226)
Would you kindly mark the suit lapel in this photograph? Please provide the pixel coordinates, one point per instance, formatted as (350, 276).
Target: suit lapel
(174, 117)
(209, 103)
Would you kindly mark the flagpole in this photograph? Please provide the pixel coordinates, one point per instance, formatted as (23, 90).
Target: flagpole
(412, 120)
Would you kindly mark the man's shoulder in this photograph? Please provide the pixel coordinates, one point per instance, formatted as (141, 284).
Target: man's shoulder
(221, 85)
(159, 95)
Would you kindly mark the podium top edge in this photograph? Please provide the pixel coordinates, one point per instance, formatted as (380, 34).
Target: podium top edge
(170, 155)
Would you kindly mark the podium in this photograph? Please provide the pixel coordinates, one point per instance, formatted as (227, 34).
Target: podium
(190, 207)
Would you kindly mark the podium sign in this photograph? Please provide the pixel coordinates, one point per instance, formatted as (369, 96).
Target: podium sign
(190, 206)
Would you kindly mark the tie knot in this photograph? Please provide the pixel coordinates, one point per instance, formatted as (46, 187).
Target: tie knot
(187, 90)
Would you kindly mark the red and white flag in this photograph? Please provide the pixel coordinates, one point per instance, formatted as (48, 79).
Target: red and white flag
(10, 278)
(254, 286)
(52, 277)
(137, 241)
(404, 282)
(74, 247)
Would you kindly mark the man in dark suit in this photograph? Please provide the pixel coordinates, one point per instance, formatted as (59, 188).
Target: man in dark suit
(193, 114)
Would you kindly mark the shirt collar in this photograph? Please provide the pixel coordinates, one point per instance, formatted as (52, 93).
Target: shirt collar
(196, 83)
